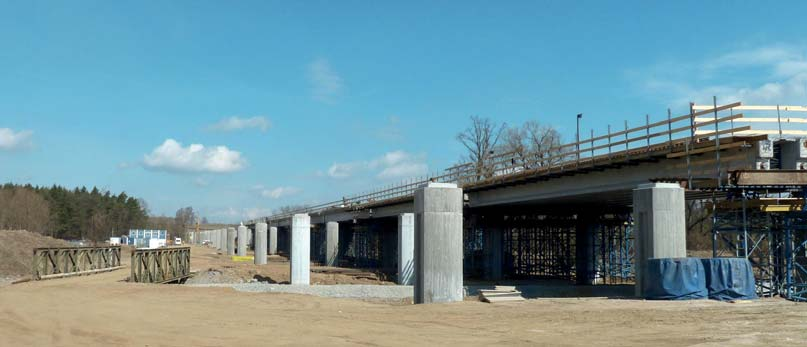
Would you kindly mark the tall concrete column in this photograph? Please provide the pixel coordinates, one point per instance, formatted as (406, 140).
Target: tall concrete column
(659, 213)
(242, 240)
(406, 249)
(438, 243)
(331, 243)
(230, 241)
(223, 240)
(494, 253)
(272, 240)
(260, 244)
(300, 249)
(585, 229)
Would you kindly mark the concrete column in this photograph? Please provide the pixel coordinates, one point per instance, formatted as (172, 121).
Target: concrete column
(223, 240)
(659, 214)
(242, 240)
(494, 253)
(230, 241)
(260, 243)
(331, 243)
(406, 249)
(585, 230)
(273, 240)
(438, 243)
(300, 249)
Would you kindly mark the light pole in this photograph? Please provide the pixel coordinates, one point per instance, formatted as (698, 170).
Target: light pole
(577, 137)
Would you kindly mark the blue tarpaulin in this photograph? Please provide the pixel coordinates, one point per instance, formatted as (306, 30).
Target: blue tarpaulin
(674, 279)
(729, 279)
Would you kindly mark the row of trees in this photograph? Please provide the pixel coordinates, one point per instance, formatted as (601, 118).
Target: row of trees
(530, 144)
(84, 214)
(69, 214)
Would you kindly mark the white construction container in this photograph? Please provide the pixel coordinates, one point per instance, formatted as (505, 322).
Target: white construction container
(156, 243)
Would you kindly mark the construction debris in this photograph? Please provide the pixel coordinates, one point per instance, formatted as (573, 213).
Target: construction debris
(500, 294)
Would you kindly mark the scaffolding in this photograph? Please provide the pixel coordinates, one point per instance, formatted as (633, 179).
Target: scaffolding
(768, 226)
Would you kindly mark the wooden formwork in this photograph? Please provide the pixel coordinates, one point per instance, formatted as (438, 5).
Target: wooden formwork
(73, 261)
(160, 265)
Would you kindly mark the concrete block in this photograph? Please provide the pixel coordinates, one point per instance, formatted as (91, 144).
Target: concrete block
(260, 243)
(331, 243)
(300, 262)
(659, 214)
(273, 240)
(223, 240)
(438, 243)
(230, 241)
(406, 249)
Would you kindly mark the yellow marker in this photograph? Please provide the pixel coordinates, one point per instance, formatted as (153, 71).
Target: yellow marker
(242, 258)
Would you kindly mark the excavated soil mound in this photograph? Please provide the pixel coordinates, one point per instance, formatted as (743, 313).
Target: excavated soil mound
(16, 250)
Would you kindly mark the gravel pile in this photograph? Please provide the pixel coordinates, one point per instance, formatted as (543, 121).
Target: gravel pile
(353, 291)
(212, 276)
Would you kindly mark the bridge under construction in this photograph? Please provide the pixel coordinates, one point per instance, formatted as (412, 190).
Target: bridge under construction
(587, 212)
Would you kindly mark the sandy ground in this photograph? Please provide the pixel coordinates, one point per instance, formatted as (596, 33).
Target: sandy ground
(276, 271)
(103, 310)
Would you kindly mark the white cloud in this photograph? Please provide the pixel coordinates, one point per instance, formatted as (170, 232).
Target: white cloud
(396, 164)
(172, 156)
(325, 82)
(771, 74)
(11, 140)
(237, 123)
(276, 193)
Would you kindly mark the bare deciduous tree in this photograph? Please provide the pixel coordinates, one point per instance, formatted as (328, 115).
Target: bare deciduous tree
(544, 142)
(481, 138)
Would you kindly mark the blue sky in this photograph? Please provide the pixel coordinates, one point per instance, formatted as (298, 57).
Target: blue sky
(236, 108)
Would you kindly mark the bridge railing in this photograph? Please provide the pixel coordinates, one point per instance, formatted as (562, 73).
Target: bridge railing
(57, 262)
(702, 127)
(160, 265)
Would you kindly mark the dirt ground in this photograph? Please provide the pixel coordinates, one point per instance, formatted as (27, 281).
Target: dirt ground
(103, 310)
(223, 270)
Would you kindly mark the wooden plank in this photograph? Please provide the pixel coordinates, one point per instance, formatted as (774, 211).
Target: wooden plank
(769, 178)
(706, 149)
(747, 119)
(756, 108)
(762, 132)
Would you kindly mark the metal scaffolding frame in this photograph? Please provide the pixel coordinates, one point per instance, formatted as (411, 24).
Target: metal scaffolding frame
(773, 239)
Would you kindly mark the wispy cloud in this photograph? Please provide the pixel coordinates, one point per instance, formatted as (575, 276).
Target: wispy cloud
(396, 164)
(326, 84)
(11, 140)
(172, 156)
(767, 74)
(201, 182)
(275, 193)
(237, 123)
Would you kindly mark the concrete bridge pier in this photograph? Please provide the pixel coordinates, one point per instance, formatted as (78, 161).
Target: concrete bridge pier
(230, 241)
(223, 240)
(406, 249)
(272, 240)
(300, 261)
(438, 243)
(331, 243)
(659, 214)
(585, 228)
(242, 240)
(493, 252)
(260, 244)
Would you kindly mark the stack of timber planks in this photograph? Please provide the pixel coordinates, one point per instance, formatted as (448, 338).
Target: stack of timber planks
(500, 294)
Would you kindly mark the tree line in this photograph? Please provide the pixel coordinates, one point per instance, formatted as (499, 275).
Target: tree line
(69, 214)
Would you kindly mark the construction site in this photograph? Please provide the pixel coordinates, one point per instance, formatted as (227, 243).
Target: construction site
(584, 243)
